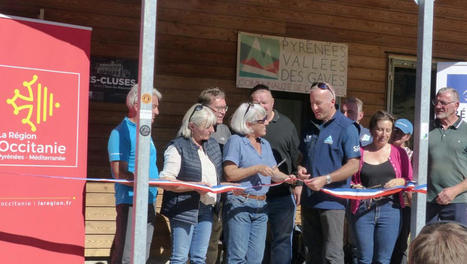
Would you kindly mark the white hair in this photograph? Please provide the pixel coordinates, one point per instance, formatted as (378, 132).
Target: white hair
(246, 113)
(132, 96)
(199, 115)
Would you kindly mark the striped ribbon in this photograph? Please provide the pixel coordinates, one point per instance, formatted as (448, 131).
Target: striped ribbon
(346, 193)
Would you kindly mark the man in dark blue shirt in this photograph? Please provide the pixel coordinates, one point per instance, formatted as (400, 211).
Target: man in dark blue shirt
(331, 152)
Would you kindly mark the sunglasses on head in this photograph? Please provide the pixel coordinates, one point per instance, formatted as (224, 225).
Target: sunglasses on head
(323, 86)
(197, 108)
(248, 108)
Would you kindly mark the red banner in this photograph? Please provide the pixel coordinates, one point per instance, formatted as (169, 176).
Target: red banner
(44, 86)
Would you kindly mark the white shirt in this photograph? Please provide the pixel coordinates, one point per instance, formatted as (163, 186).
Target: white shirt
(173, 163)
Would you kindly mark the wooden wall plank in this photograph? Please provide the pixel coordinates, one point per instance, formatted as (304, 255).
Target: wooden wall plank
(93, 227)
(100, 213)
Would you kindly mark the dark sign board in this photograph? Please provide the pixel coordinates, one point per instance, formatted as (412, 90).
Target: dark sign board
(112, 78)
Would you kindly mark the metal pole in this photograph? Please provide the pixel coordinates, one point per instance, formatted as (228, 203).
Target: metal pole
(147, 44)
(422, 111)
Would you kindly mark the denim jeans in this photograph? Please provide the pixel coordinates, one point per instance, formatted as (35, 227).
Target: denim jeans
(191, 239)
(454, 211)
(281, 221)
(376, 230)
(245, 225)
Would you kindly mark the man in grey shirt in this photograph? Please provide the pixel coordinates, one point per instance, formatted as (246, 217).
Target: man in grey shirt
(447, 161)
(214, 98)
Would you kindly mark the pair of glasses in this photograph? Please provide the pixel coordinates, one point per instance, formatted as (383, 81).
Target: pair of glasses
(261, 121)
(219, 109)
(248, 108)
(436, 102)
(323, 86)
(197, 108)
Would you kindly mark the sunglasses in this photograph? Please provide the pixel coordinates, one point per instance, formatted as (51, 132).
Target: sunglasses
(248, 108)
(323, 86)
(261, 121)
(197, 108)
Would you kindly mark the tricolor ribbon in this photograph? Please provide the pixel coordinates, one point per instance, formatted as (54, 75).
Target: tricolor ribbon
(346, 193)
(360, 194)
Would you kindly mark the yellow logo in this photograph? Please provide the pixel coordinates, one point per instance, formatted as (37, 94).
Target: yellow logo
(44, 104)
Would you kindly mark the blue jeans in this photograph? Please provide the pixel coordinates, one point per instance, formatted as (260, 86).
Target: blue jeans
(191, 238)
(454, 212)
(245, 225)
(376, 230)
(281, 219)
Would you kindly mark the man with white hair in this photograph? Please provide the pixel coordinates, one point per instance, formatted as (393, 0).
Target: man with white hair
(447, 161)
(122, 153)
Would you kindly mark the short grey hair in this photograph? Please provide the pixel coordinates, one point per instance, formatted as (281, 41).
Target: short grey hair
(208, 95)
(132, 96)
(454, 93)
(246, 113)
(203, 118)
(356, 101)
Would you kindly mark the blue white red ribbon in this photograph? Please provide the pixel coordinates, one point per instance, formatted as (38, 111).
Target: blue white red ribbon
(360, 194)
(346, 193)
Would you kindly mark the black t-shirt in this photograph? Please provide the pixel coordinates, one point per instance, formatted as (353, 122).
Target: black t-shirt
(377, 175)
(283, 138)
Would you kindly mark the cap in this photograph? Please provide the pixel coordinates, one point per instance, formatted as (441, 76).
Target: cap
(404, 125)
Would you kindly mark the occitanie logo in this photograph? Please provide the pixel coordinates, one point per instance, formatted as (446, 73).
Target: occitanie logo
(37, 105)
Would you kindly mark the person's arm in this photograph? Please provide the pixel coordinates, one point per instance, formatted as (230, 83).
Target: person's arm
(450, 193)
(120, 171)
(351, 149)
(344, 172)
(233, 173)
(119, 150)
(172, 166)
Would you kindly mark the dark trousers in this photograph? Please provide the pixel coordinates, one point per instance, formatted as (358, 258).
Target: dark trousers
(120, 253)
(323, 235)
(452, 212)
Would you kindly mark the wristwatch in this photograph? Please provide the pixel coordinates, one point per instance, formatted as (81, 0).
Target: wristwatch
(328, 179)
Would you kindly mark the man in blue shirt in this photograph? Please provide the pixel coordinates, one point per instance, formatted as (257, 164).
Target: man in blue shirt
(331, 152)
(121, 148)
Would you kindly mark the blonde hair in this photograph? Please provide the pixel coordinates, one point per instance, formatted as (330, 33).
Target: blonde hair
(441, 242)
(199, 115)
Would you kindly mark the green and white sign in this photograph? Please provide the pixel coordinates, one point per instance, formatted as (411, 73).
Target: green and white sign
(289, 64)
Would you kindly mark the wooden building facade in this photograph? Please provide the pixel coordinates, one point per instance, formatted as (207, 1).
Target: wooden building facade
(197, 48)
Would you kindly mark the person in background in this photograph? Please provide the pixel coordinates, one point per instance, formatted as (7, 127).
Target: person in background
(331, 153)
(403, 130)
(193, 156)
(214, 99)
(440, 242)
(248, 161)
(352, 108)
(447, 161)
(281, 199)
(376, 221)
(122, 150)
